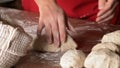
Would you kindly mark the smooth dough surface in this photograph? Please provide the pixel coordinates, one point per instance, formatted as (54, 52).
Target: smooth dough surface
(106, 45)
(113, 37)
(42, 45)
(102, 58)
(72, 59)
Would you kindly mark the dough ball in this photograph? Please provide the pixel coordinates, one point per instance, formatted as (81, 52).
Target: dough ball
(42, 45)
(113, 37)
(102, 58)
(106, 45)
(72, 59)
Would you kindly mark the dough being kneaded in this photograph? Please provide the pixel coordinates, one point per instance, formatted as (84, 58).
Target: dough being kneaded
(72, 59)
(106, 45)
(113, 37)
(102, 58)
(42, 45)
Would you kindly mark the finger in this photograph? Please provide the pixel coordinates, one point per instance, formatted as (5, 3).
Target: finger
(40, 27)
(55, 33)
(62, 28)
(48, 33)
(106, 19)
(107, 13)
(70, 27)
(101, 4)
(106, 8)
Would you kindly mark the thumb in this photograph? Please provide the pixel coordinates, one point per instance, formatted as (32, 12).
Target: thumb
(101, 4)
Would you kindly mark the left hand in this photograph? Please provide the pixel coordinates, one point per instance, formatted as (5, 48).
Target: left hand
(107, 10)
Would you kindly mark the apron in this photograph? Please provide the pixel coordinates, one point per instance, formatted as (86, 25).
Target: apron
(83, 9)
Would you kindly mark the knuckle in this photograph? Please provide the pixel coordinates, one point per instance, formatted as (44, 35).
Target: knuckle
(54, 28)
(60, 11)
(109, 6)
(60, 14)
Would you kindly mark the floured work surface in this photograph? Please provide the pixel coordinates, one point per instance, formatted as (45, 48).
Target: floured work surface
(36, 59)
(86, 36)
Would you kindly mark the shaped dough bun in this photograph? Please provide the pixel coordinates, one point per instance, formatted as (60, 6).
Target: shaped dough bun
(42, 45)
(106, 45)
(72, 59)
(113, 37)
(102, 58)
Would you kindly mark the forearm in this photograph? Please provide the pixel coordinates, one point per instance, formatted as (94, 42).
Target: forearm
(44, 3)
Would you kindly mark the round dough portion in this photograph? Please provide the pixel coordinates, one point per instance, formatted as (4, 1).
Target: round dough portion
(102, 58)
(72, 59)
(41, 44)
(106, 45)
(113, 37)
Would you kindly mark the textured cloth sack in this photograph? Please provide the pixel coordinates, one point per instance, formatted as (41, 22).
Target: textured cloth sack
(7, 59)
(13, 44)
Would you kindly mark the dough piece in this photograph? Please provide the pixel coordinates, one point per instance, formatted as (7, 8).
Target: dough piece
(102, 58)
(113, 37)
(42, 45)
(106, 45)
(72, 59)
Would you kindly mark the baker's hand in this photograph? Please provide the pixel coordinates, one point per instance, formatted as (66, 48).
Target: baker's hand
(107, 10)
(53, 19)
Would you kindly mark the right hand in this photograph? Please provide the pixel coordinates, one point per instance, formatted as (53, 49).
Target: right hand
(53, 19)
(107, 10)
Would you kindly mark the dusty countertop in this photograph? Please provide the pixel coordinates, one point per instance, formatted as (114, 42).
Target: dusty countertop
(85, 39)
(39, 60)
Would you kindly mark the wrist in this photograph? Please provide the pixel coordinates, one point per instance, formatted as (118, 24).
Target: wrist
(44, 4)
